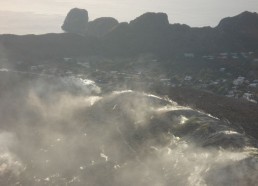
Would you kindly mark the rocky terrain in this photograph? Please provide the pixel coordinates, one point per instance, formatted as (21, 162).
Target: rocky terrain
(240, 113)
(148, 33)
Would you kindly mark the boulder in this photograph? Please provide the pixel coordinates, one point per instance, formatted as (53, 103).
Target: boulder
(76, 21)
(150, 21)
(101, 26)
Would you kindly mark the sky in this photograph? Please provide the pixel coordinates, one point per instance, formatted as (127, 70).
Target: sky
(44, 16)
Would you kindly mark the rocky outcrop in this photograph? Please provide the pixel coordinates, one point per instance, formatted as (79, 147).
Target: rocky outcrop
(145, 34)
(245, 24)
(76, 21)
(150, 21)
(149, 33)
(101, 26)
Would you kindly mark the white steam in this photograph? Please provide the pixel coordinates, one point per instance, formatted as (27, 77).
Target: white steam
(67, 133)
(9, 163)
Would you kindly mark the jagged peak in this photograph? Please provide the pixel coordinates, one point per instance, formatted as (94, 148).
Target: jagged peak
(244, 19)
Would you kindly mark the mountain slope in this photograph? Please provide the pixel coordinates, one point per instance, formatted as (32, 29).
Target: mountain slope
(148, 33)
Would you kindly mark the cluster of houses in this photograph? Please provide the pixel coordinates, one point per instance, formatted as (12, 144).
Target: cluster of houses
(244, 88)
(240, 87)
(223, 55)
(232, 55)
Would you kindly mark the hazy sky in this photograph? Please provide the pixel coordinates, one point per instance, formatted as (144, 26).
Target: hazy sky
(41, 16)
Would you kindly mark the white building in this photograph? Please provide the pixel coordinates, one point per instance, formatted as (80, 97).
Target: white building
(188, 78)
(33, 68)
(253, 85)
(84, 64)
(248, 97)
(189, 55)
(230, 94)
(222, 69)
(67, 59)
(239, 81)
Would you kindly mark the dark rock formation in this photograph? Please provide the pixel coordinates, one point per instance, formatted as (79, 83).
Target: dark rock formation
(245, 24)
(150, 21)
(149, 33)
(243, 20)
(99, 27)
(152, 33)
(76, 21)
(240, 32)
(145, 34)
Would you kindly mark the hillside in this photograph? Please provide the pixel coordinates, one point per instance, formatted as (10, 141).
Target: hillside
(148, 33)
(241, 114)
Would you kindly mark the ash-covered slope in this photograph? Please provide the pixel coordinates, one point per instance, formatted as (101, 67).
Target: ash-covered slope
(63, 131)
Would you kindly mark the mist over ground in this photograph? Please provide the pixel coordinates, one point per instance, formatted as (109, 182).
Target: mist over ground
(68, 131)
